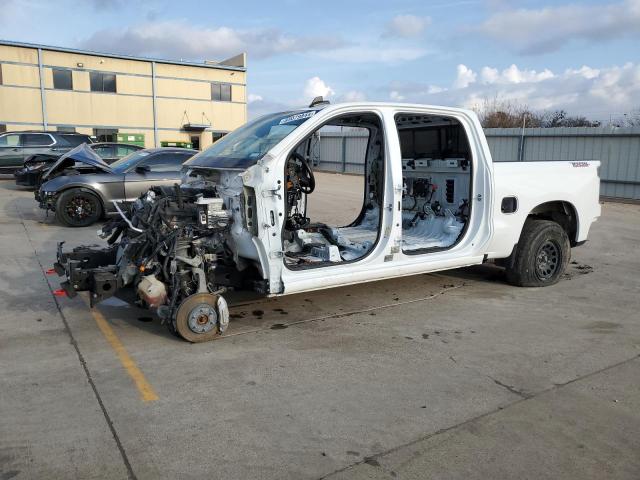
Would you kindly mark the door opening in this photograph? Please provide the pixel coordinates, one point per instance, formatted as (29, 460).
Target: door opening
(195, 142)
(436, 178)
(348, 230)
(105, 134)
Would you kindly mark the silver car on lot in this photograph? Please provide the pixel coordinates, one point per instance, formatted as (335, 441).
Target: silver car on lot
(81, 188)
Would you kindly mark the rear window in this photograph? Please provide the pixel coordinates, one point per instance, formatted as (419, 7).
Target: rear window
(36, 140)
(166, 161)
(75, 140)
(122, 150)
(125, 163)
(104, 151)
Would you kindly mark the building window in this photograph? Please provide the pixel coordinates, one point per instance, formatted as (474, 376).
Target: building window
(103, 82)
(66, 129)
(105, 134)
(62, 79)
(217, 136)
(221, 92)
(0, 74)
(3, 128)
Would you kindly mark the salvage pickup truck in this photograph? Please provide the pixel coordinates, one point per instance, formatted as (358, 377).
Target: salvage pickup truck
(432, 200)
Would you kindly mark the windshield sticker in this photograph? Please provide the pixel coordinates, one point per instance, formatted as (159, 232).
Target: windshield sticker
(298, 116)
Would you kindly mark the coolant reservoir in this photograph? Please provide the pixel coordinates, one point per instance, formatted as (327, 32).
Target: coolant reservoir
(152, 291)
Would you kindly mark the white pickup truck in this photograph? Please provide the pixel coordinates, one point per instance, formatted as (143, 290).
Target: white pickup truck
(432, 200)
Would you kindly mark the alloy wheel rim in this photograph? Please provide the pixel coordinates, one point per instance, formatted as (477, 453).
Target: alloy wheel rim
(79, 208)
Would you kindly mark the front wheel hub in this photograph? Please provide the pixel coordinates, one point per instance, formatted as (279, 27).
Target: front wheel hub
(203, 318)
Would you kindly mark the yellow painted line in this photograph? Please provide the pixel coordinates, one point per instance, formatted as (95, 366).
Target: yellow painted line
(147, 393)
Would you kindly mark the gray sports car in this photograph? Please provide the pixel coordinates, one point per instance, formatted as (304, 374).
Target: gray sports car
(81, 188)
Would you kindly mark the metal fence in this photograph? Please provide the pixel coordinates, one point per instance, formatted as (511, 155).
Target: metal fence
(617, 148)
(342, 152)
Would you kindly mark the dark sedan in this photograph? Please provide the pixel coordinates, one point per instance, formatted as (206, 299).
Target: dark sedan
(36, 165)
(80, 198)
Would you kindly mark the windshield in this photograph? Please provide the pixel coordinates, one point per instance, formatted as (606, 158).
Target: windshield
(125, 163)
(248, 144)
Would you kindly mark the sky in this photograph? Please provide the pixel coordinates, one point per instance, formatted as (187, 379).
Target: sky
(580, 56)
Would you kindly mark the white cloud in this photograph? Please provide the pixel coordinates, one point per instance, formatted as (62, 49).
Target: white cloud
(490, 76)
(316, 87)
(465, 77)
(179, 39)
(252, 97)
(585, 71)
(406, 26)
(595, 93)
(353, 96)
(534, 31)
(513, 74)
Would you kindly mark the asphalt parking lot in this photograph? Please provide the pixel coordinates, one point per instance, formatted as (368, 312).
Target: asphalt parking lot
(448, 375)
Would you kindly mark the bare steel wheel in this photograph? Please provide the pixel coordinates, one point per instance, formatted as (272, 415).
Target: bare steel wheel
(547, 260)
(202, 317)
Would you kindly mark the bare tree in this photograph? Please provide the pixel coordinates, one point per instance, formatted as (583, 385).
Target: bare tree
(559, 118)
(632, 119)
(496, 113)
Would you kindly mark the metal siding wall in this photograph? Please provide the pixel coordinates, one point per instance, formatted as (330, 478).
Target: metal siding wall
(618, 149)
(330, 153)
(342, 152)
(355, 153)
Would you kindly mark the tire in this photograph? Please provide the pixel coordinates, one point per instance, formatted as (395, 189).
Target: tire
(78, 208)
(541, 256)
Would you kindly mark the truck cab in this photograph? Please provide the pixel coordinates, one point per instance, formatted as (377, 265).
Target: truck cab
(432, 199)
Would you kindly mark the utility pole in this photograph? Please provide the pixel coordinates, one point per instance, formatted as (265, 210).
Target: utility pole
(524, 124)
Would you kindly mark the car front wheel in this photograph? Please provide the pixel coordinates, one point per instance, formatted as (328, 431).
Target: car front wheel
(78, 208)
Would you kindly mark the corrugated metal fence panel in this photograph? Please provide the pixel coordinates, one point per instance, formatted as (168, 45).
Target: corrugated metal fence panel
(330, 153)
(341, 152)
(355, 153)
(618, 149)
(504, 148)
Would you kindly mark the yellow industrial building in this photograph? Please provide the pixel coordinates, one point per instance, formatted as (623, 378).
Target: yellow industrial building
(120, 98)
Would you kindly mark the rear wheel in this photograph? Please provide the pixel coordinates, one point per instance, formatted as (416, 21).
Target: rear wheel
(78, 208)
(541, 256)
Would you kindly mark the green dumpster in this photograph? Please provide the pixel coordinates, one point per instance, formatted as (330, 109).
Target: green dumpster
(131, 138)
